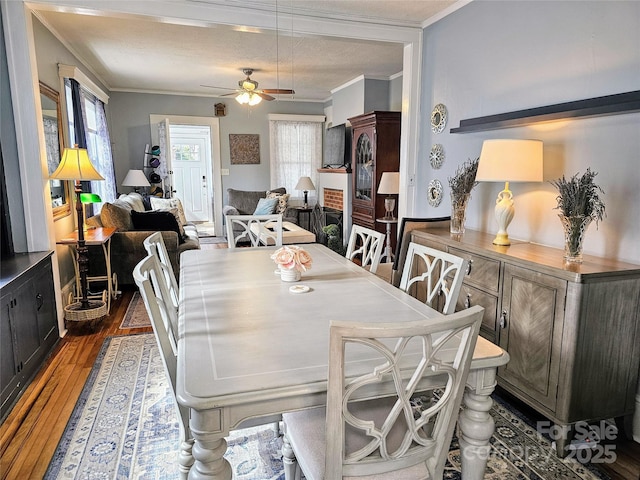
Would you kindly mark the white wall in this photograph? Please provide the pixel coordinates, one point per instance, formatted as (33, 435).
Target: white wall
(496, 57)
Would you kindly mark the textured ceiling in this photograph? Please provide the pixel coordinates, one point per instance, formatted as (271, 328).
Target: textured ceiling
(142, 53)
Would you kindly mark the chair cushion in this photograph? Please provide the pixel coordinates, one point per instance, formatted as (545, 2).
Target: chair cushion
(306, 431)
(157, 220)
(166, 203)
(266, 206)
(283, 201)
(118, 217)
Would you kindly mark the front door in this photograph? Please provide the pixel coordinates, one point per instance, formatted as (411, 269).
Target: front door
(190, 163)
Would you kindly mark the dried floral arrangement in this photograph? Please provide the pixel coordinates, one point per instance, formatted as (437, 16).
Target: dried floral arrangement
(579, 196)
(465, 178)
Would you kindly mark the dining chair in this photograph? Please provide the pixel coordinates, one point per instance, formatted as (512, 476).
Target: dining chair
(433, 274)
(255, 229)
(150, 279)
(367, 245)
(154, 245)
(384, 438)
(392, 272)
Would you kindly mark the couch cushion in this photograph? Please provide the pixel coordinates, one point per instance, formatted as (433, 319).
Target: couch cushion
(134, 200)
(246, 201)
(157, 220)
(283, 201)
(166, 203)
(266, 206)
(116, 216)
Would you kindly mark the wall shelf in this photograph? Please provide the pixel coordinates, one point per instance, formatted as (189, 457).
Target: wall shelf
(607, 105)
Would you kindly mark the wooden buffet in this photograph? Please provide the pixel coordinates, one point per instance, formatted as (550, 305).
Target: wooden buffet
(572, 330)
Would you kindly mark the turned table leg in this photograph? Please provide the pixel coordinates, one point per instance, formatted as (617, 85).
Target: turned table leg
(476, 428)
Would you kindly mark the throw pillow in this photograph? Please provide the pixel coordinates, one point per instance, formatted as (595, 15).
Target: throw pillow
(117, 217)
(157, 220)
(134, 200)
(165, 203)
(283, 201)
(266, 206)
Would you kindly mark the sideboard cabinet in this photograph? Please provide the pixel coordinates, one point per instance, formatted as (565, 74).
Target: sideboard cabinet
(375, 149)
(572, 330)
(28, 323)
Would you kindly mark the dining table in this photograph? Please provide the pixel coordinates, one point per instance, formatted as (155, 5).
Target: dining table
(252, 346)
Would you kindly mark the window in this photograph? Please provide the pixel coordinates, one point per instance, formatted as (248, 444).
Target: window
(296, 150)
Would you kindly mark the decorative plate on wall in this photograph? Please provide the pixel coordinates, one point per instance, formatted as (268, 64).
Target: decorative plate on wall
(436, 157)
(438, 118)
(434, 192)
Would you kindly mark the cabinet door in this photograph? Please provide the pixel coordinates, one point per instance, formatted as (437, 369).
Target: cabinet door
(364, 166)
(8, 370)
(24, 320)
(533, 309)
(45, 303)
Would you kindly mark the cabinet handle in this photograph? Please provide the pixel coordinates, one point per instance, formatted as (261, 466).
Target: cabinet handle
(503, 319)
(467, 301)
(40, 301)
(468, 271)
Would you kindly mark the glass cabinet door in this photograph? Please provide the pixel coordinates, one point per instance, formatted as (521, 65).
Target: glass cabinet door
(364, 169)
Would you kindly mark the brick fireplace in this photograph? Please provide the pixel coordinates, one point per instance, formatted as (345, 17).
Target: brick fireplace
(334, 196)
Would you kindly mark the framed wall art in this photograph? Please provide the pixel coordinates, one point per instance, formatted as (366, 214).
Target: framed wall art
(244, 148)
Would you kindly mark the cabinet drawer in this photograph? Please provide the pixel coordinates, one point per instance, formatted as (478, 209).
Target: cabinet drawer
(362, 211)
(470, 296)
(482, 271)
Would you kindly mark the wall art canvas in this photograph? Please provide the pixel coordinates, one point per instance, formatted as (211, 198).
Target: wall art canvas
(245, 148)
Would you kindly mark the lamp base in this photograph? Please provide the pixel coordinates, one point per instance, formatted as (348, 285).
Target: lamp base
(389, 206)
(504, 211)
(502, 239)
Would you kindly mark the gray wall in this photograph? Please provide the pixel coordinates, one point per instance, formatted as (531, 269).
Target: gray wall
(130, 130)
(496, 57)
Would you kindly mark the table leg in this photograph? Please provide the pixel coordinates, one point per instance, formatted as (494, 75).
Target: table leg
(475, 423)
(209, 448)
(388, 254)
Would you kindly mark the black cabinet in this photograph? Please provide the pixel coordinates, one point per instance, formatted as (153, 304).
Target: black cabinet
(28, 327)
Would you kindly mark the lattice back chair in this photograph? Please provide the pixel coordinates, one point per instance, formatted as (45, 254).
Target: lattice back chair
(367, 245)
(433, 276)
(385, 438)
(255, 229)
(154, 245)
(150, 279)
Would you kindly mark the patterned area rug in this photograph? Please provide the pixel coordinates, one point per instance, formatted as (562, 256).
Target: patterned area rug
(125, 426)
(136, 315)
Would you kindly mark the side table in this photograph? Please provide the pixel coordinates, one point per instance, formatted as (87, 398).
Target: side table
(388, 252)
(95, 236)
(308, 211)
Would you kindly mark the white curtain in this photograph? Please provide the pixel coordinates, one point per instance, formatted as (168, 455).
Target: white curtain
(162, 170)
(103, 160)
(296, 151)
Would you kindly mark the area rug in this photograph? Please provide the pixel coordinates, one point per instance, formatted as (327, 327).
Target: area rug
(125, 426)
(136, 315)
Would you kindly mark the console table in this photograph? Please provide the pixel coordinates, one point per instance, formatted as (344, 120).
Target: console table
(572, 330)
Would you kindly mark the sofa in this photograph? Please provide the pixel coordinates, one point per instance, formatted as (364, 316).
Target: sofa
(134, 223)
(244, 202)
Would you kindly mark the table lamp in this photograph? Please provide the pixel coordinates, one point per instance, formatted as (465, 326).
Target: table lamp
(89, 198)
(509, 161)
(75, 165)
(135, 179)
(305, 184)
(389, 185)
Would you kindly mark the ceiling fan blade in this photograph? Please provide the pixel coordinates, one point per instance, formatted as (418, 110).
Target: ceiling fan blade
(219, 88)
(229, 94)
(264, 96)
(278, 91)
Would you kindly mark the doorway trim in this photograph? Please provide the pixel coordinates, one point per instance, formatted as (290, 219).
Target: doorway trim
(216, 157)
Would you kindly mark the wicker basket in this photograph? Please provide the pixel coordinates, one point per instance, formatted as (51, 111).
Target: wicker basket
(75, 313)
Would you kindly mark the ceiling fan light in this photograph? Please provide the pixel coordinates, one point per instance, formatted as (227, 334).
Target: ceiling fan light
(243, 98)
(254, 99)
(248, 84)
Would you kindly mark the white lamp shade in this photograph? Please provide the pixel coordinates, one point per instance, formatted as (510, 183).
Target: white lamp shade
(389, 183)
(135, 178)
(75, 165)
(305, 183)
(510, 161)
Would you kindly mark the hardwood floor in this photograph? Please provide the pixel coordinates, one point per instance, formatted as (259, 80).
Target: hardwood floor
(31, 432)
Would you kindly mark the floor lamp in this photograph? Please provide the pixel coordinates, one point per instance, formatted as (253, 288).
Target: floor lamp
(75, 165)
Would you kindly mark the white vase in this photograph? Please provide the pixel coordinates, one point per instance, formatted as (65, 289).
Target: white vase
(290, 275)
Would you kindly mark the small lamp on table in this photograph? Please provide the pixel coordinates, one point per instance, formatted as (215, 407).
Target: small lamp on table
(305, 184)
(135, 179)
(389, 186)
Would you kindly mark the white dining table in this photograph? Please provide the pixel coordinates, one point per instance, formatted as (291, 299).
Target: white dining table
(250, 349)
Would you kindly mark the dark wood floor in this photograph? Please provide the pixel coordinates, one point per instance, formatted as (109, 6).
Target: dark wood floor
(30, 434)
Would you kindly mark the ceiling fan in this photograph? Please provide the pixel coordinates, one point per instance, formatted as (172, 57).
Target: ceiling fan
(249, 92)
